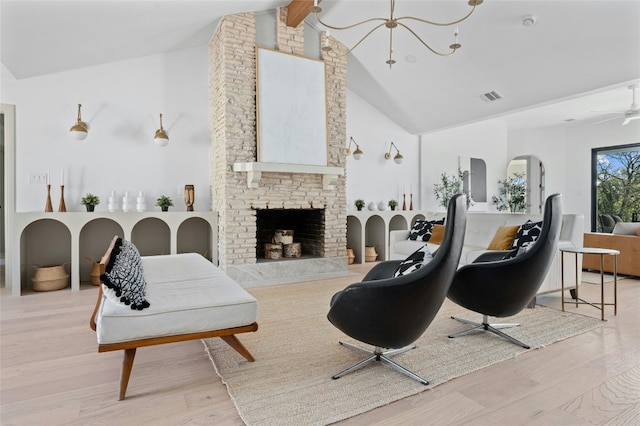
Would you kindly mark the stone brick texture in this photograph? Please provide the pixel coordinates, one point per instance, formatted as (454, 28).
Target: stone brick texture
(232, 118)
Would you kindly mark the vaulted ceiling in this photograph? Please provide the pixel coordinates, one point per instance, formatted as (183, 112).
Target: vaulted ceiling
(578, 58)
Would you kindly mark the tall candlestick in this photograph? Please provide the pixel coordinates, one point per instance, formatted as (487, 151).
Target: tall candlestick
(48, 207)
(62, 207)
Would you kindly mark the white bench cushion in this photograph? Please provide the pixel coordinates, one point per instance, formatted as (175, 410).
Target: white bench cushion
(187, 293)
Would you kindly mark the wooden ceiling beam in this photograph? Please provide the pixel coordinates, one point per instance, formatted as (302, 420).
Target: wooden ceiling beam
(297, 11)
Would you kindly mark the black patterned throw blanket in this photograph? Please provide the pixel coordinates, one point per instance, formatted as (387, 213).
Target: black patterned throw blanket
(123, 281)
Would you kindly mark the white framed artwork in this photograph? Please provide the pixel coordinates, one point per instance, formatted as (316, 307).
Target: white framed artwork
(291, 109)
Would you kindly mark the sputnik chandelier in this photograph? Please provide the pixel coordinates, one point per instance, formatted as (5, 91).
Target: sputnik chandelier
(391, 23)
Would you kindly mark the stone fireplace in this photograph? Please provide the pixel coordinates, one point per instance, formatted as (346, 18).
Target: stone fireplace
(254, 198)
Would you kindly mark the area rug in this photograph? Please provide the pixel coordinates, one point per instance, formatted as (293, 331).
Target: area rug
(297, 351)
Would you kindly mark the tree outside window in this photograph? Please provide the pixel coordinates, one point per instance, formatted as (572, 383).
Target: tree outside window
(618, 182)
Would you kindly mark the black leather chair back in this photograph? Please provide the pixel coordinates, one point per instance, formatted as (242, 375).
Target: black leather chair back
(503, 288)
(394, 312)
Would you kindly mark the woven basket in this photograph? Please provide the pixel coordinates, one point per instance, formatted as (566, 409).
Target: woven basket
(50, 278)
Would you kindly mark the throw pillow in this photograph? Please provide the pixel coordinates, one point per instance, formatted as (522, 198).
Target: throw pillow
(415, 261)
(421, 229)
(527, 233)
(437, 234)
(123, 281)
(519, 252)
(503, 238)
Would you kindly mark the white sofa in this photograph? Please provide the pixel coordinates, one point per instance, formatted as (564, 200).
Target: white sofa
(481, 227)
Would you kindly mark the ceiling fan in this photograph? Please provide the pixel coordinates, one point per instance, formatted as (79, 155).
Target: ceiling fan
(633, 113)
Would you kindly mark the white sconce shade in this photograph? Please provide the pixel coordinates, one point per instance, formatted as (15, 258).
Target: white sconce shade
(358, 153)
(161, 138)
(80, 129)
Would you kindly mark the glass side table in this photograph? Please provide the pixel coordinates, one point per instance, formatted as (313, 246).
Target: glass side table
(602, 252)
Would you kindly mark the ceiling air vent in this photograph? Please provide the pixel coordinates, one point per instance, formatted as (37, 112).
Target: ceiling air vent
(491, 96)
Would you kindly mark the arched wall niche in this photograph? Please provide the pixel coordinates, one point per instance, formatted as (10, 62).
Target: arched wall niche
(534, 179)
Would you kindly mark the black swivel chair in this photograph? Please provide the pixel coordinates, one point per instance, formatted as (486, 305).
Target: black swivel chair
(392, 313)
(502, 288)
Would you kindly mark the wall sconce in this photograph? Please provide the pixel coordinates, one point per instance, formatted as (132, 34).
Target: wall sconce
(357, 154)
(80, 130)
(398, 158)
(161, 138)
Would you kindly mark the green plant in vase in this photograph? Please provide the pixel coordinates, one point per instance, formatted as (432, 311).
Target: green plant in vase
(90, 201)
(164, 203)
(393, 204)
(359, 204)
(512, 194)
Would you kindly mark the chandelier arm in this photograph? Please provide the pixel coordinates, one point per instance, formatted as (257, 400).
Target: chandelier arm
(349, 26)
(439, 24)
(425, 44)
(362, 39)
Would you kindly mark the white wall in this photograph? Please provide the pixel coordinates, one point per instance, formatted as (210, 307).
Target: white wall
(440, 153)
(121, 102)
(373, 178)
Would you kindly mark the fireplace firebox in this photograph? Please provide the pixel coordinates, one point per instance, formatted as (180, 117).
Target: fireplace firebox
(308, 228)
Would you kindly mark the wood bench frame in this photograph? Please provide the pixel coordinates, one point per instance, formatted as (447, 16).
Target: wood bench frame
(129, 347)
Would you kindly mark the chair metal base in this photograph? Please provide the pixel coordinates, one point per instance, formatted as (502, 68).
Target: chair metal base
(491, 328)
(378, 354)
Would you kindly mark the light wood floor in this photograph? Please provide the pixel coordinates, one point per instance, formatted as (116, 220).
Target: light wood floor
(51, 374)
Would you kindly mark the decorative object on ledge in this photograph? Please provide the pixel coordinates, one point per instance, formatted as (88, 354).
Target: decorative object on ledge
(189, 197)
(62, 207)
(357, 154)
(48, 207)
(254, 172)
(112, 205)
(411, 204)
(404, 201)
(80, 129)
(398, 158)
(391, 23)
(393, 204)
(127, 204)
(359, 203)
(90, 201)
(141, 204)
(161, 138)
(164, 203)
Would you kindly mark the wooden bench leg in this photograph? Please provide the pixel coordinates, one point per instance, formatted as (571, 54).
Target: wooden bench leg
(127, 365)
(233, 341)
